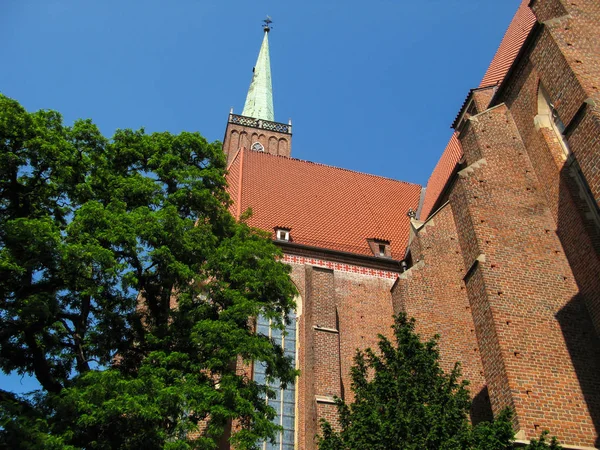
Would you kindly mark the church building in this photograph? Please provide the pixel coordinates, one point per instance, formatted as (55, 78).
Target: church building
(499, 254)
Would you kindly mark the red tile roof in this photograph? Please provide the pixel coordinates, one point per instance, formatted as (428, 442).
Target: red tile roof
(441, 174)
(324, 206)
(513, 39)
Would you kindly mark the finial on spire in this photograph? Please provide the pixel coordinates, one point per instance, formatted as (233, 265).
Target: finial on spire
(267, 24)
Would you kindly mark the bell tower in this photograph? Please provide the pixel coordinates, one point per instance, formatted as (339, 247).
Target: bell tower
(256, 129)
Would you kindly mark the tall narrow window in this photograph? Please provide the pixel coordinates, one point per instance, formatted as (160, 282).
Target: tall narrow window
(284, 400)
(548, 118)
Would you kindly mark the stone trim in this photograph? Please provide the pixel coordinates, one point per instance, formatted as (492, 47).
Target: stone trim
(325, 329)
(325, 399)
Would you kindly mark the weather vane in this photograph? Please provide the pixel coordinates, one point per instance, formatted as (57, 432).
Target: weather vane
(267, 24)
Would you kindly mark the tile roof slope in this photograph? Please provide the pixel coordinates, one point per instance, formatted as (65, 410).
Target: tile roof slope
(513, 39)
(324, 206)
(441, 174)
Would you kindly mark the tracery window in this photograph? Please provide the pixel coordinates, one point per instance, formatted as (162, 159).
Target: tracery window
(284, 401)
(258, 147)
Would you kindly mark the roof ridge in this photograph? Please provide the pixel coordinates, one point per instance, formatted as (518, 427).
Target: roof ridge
(337, 168)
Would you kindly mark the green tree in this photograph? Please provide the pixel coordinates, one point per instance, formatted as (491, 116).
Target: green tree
(126, 289)
(404, 400)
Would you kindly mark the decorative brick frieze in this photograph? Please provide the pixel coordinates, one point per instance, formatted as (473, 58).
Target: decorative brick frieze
(340, 267)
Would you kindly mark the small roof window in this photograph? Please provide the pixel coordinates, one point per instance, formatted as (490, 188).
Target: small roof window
(282, 234)
(380, 247)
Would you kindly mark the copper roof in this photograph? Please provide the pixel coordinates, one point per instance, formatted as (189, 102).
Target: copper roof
(513, 40)
(323, 206)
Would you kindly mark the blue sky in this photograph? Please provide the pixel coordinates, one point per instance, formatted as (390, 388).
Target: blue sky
(370, 86)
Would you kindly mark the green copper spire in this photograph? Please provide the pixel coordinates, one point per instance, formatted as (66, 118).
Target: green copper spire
(259, 101)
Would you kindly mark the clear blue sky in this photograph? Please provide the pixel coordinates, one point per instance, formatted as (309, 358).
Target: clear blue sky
(370, 86)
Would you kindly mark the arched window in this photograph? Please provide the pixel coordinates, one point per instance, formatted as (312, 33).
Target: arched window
(258, 147)
(284, 401)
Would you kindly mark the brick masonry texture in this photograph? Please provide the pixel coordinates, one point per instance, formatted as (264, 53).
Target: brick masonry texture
(433, 292)
(580, 236)
(338, 313)
(523, 288)
(526, 235)
(340, 267)
(238, 136)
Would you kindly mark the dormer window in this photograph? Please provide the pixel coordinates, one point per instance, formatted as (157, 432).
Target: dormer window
(282, 234)
(257, 147)
(380, 247)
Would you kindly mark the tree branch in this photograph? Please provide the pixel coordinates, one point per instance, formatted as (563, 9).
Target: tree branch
(9, 397)
(41, 368)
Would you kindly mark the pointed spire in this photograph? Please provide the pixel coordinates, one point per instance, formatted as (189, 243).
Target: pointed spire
(259, 101)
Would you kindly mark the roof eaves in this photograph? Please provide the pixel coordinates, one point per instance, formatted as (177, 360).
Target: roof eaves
(467, 102)
(384, 263)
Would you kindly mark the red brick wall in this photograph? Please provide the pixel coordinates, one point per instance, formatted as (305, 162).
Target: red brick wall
(527, 236)
(433, 292)
(365, 310)
(567, 60)
(340, 311)
(549, 9)
(306, 408)
(579, 233)
(326, 339)
(238, 136)
(532, 328)
(482, 98)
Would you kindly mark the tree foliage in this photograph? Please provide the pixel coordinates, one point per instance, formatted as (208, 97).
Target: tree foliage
(126, 289)
(404, 400)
